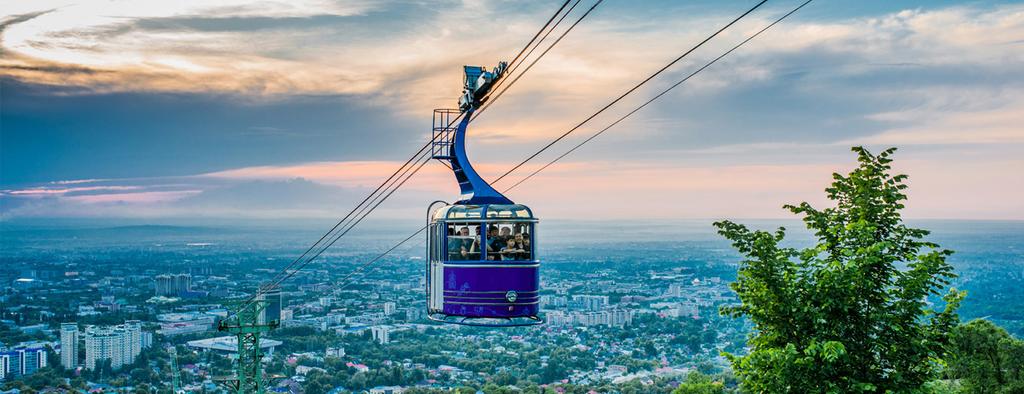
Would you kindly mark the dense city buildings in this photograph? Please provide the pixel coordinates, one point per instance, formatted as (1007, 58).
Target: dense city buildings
(615, 315)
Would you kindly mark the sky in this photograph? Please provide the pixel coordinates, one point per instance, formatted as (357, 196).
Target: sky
(272, 110)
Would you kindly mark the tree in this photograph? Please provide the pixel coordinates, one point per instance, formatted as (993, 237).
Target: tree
(143, 388)
(699, 383)
(358, 381)
(45, 377)
(850, 313)
(987, 359)
(53, 359)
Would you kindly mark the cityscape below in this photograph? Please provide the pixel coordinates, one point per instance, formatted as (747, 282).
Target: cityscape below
(630, 304)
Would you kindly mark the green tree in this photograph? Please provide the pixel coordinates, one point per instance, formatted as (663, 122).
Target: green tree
(698, 383)
(850, 313)
(143, 389)
(53, 359)
(986, 359)
(43, 378)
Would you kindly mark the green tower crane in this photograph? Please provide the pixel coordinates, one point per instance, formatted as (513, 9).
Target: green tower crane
(175, 371)
(246, 327)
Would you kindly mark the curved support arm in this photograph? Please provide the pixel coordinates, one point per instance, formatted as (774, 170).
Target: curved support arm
(475, 190)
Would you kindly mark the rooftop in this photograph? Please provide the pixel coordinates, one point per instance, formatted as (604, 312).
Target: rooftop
(228, 343)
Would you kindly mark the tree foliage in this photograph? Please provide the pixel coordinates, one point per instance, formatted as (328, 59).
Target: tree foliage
(986, 359)
(848, 314)
(699, 383)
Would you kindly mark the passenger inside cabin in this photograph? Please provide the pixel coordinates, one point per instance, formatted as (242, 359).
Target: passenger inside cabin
(474, 247)
(523, 243)
(510, 251)
(493, 242)
(463, 246)
(455, 249)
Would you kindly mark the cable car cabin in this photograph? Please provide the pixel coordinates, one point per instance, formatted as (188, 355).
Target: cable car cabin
(483, 265)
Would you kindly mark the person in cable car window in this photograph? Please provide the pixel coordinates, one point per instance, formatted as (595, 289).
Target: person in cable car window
(460, 245)
(474, 247)
(454, 247)
(494, 244)
(523, 244)
(510, 251)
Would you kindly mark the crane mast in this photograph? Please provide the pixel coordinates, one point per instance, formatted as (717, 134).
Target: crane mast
(175, 371)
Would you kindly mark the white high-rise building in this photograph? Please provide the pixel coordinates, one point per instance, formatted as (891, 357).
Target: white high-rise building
(5, 366)
(103, 343)
(120, 344)
(335, 352)
(389, 308)
(69, 345)
(591, 302)
(172, 285)
(413, 314)
(133, 339)
(381, 334)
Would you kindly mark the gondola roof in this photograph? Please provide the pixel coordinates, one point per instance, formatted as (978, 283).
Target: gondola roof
(481, 211)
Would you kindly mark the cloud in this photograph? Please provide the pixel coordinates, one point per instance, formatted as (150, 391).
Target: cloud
(179, 197)
(47, 191)
(397, 55)
(1000, 124)
(240, 98)
(133, 198)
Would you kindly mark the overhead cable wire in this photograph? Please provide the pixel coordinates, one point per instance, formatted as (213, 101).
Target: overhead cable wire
(340, 224)
(631, 90)
(487, 103)
(513, 66)
(345, 280)
(546, 24)
(659, 95)
(347, 216)
(362, 214)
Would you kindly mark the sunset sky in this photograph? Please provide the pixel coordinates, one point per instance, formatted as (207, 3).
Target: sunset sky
(297, 109)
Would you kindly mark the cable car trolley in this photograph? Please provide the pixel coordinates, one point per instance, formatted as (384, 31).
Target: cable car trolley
(482, 265)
